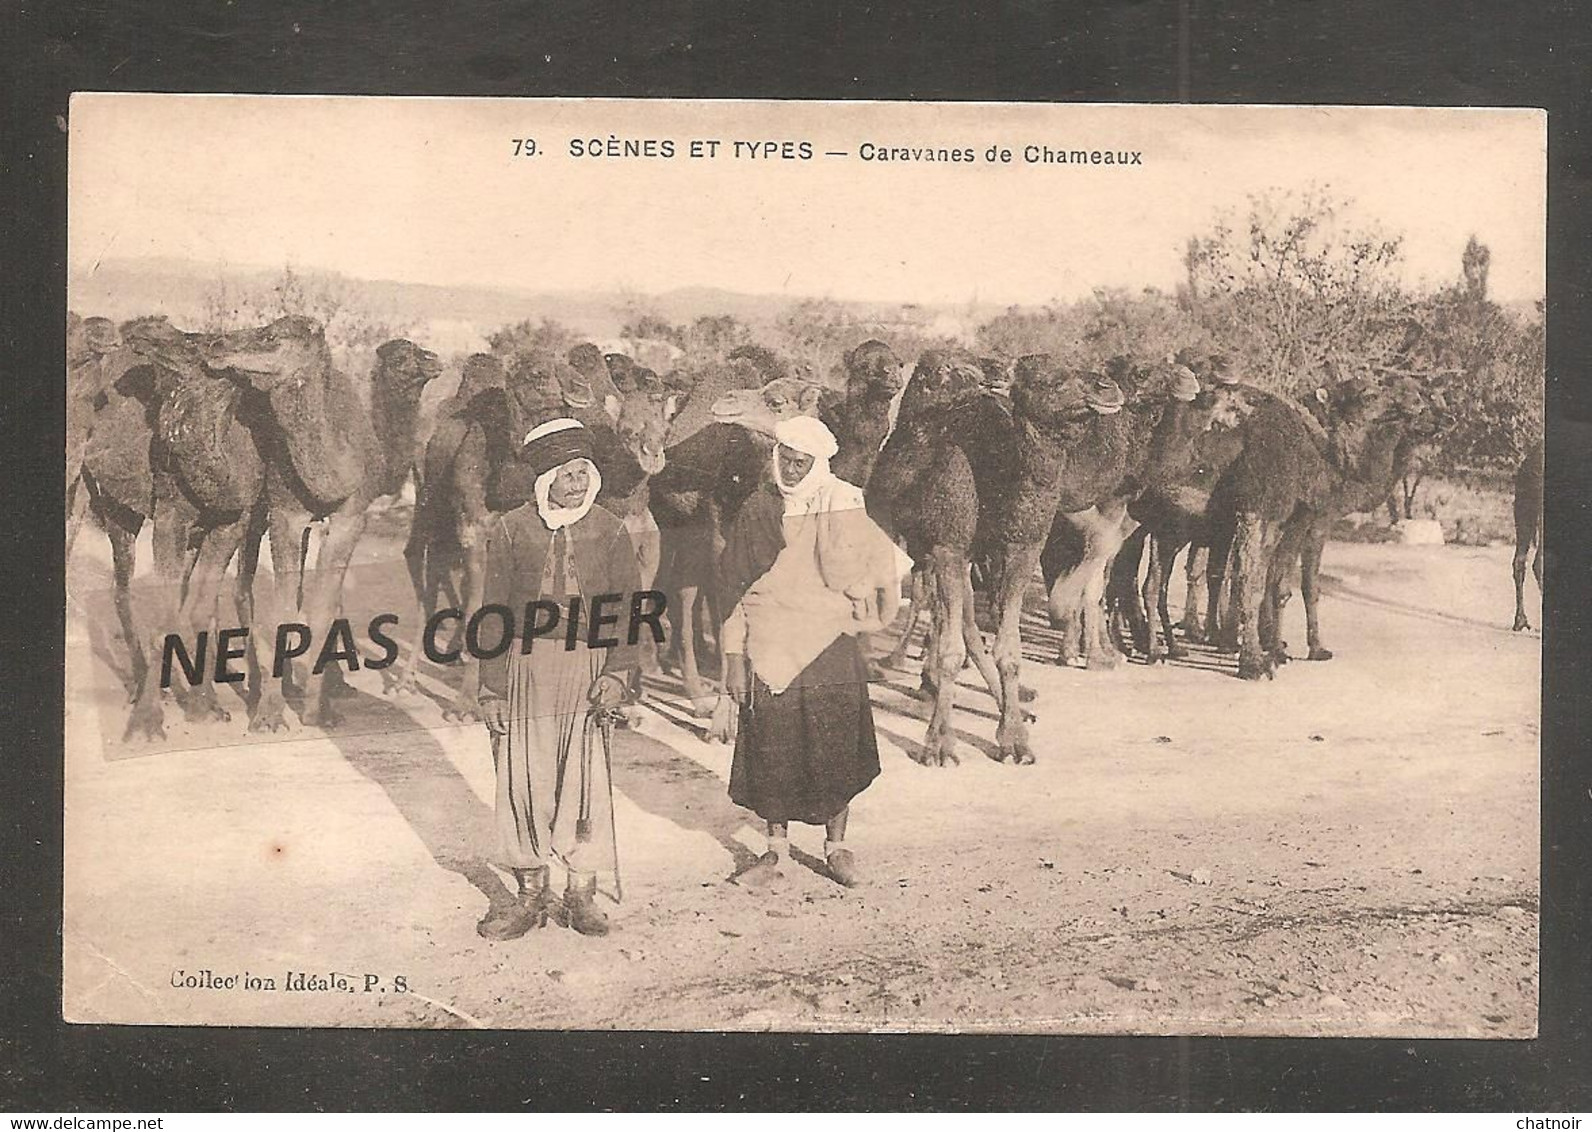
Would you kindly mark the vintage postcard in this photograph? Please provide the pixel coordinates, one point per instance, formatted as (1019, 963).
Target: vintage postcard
(716, 565)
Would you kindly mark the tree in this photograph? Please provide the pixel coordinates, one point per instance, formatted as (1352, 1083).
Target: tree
(1299, 290)
(529, 337)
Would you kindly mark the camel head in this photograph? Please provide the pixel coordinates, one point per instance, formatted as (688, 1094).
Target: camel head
(587, 357)
(540, 387)
(1415, 402)
(873, 370)
(403, 368)
(89, 339)
(272, 356)
(997, 376)
(761, 409)
(1171, 381)
(941, 377)
(481, 373)
(154, 341)
(1049, 394)
(641, 421)
(767, 363)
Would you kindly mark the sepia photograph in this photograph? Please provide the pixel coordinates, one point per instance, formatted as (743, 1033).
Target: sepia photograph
(588, 564)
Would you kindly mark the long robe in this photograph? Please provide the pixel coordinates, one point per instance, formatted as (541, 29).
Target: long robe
(548, 776)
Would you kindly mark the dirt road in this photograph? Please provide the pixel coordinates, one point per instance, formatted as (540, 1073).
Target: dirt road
(1350, 849)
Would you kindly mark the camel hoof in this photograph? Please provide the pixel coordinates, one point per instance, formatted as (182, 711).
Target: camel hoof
(269, 718)
(1320, 654)
(147, 723)
(1026, 695)
(1251, 669)
(938, 751)
(1521, 623)
(927, 689)
(1175, 652)
(465, 709)
(323, 716)
(205, 711)
(1018, 753)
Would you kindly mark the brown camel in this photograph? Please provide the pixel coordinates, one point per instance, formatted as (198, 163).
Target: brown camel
(326, 460)
(168, 445)
(1147, 445)
(712, 469)
(471, 474)
(1274, 505)
(940, 379)
(980, 473)
(90, 344)
(1528, 529)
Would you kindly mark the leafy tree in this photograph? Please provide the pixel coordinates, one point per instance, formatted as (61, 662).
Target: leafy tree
(1297, 291)
(533, 336)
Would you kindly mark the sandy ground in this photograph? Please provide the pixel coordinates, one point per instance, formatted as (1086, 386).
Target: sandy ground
(1351, 849)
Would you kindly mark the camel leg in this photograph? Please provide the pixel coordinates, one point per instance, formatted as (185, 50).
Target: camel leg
(1310, 589)
(466, 706)
(1105, 543)
(1019, 562)
(1166, 551)
(915, 607)
(199, 608)
(146, 720)
(286, 529)
(696, 690)
(1151, 603)
(420, 560)
(1067, 595)
(258, 609)
(1193, 618)
(322, 595)
(173, 524)
(1523, 542)
(76, 509)
(1123, 591)
(951, 586)
(1253, 541)
(1221, 629)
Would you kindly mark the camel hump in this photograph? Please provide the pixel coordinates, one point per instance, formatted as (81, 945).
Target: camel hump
(118, 455)
(195, 439)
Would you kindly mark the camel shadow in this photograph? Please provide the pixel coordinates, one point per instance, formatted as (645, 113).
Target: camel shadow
(667, 784)
(917, 752)
(387, 746)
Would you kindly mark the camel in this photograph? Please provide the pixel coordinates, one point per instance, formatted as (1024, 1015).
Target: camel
(1528, 529)
(940, 379)
(1376, 429)
(1275, 503)
(712, 469)
(471, 474)
(1146, 446)
(326, 460)
(90, 344)
(982, 473)
(168, 445)
(1172, 514)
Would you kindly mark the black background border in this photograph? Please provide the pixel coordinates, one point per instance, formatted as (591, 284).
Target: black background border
(1360, 52)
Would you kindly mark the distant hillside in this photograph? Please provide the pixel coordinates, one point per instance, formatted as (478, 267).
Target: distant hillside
(183, 290)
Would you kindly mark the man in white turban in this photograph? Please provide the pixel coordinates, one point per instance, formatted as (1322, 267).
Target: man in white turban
(805, 571)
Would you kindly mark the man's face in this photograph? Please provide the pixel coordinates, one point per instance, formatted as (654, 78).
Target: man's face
(570, 484)
(793, 466)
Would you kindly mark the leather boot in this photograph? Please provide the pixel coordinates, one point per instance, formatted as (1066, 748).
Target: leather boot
(580, 907)
(529, 908)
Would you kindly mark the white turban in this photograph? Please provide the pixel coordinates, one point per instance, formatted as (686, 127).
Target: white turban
(807, 434)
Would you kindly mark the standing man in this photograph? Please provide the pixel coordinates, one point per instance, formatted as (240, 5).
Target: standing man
(554, 801)
(806, 570)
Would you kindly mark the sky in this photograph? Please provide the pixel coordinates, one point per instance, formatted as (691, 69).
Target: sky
(431, 191)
